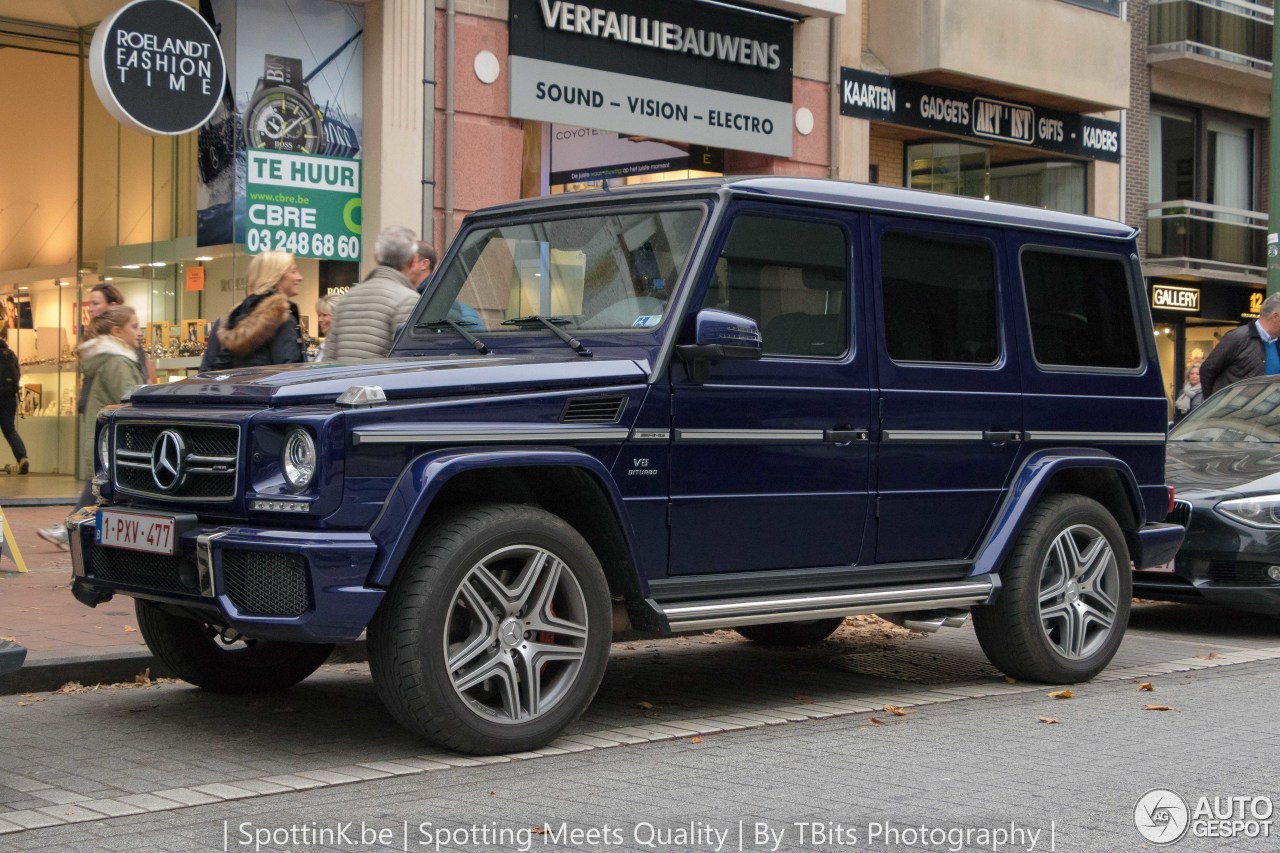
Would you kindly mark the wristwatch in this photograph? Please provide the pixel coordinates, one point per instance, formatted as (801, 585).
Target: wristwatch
(281, 115)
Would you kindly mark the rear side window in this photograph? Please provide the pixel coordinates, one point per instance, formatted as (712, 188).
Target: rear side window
(1080, 310)
(939, 297)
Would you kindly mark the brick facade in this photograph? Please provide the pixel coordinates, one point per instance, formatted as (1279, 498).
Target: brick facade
(1137, 138)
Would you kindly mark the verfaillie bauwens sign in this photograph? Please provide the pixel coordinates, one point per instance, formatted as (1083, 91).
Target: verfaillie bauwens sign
(893, 100)
(157, 67)
(671, 70)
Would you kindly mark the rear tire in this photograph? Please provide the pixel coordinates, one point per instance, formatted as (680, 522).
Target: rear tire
(495, 632)
(1064, 597)
(808, 633)
(194, 652)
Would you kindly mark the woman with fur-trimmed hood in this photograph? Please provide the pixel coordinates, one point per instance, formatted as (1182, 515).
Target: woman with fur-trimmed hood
(264, 328)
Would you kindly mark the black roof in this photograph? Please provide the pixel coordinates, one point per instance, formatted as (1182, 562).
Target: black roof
(841, 194)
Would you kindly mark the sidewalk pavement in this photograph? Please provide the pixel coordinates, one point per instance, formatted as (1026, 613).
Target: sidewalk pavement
(65, 640)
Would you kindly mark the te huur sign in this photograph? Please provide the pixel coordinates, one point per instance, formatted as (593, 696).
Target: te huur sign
(1166, 297)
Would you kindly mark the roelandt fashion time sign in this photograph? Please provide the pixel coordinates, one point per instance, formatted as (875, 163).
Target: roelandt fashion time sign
(711, 75)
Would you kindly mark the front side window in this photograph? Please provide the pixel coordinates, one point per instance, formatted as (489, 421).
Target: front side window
(1080, 310)
(939, 297)
(791, 277)
(605, 271)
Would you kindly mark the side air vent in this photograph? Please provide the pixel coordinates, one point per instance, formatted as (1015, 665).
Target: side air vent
(593, 410)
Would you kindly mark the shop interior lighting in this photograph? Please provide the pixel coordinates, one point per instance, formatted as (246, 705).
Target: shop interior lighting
(132, 267)
(156, 264)
(205, 258)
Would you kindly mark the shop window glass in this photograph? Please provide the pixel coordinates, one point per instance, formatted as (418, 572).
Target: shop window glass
(1080, 311)
(792, 277)
(939, 298)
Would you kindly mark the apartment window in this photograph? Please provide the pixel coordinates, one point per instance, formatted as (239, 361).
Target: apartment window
(968, 170)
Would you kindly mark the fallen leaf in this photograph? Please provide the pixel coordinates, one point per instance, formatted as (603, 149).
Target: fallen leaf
(803, 700)
(1008, 680)
(1050, 720)
(129, 629)
(873, 721)
(1210, 656)
(1060, 694)
(143, 678)
(1147, 686)
(645, 706)
(695, 739)
(538, 830)
(1158, 708)
(491, 793)
(896, 711)
(72, 687)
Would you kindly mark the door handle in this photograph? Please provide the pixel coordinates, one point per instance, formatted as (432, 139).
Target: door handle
(842, 435)
(1001, 436)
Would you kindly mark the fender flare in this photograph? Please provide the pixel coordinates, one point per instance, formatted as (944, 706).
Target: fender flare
(1030, 483)
(422, 479)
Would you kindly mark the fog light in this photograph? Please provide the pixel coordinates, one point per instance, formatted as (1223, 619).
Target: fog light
(1273, 572)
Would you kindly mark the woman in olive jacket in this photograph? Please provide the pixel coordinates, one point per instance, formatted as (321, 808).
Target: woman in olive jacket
(264, 328)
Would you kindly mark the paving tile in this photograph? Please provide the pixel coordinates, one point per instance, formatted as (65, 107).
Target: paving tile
(32, 819)
(289, 780)
(112, 808)
(150, 802)
(223, 791)
(70, 814)
(187, 797)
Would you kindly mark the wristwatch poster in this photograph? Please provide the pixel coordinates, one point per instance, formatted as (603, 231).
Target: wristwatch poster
(281, 115)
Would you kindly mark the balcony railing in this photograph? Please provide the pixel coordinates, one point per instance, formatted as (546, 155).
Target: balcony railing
(1192, 232)
(1233, 31)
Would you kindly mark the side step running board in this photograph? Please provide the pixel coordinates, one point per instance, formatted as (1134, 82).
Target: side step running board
(728, 612)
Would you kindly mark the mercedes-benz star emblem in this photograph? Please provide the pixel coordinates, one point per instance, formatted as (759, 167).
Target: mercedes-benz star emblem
(168, 461)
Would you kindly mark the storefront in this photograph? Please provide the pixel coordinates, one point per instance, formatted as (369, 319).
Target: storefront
(972, 143)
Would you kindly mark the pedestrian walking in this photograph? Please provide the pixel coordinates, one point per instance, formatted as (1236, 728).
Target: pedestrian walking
(1245, 351)
(100, 298)
(1192, 393)
(111, 368)
(264, 328)
(366, 319)
(10, 388)
(324, 320)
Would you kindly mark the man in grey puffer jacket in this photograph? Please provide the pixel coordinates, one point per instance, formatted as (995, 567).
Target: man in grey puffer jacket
(366, 318)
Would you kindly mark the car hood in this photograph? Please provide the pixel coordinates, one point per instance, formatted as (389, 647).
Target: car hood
(1235, 466)
(400, 378)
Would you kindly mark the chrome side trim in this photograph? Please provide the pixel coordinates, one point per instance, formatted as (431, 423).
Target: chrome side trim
(661, 436)
(726, 613)
(750, 436)
(1096, 437)
(204, 560)
(73, 522)
(556, 434)
(932, 435)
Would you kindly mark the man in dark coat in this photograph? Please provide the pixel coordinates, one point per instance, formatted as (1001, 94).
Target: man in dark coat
(1250, 350)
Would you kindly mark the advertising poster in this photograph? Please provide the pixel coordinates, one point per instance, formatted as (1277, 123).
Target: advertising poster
(586, 154)
(280, 160)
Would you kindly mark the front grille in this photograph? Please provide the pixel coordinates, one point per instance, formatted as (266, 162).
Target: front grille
(1181, 513)
(153, 571)
(593, 410)
(265, 584)
(1227, 573)
(210, 460)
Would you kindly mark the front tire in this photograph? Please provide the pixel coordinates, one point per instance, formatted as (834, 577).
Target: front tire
(808, 633)
(495, 632)
(195, 652)
(1065, 595)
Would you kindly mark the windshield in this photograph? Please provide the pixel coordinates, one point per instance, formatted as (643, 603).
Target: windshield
(1246, 412)
(605, 271)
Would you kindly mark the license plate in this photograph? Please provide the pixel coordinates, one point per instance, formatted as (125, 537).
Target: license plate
(132, 531)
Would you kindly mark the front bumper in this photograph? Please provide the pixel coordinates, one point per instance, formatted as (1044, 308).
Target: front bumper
(303, 586)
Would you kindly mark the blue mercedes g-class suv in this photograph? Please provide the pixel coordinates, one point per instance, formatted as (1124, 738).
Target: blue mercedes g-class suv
(760, 403)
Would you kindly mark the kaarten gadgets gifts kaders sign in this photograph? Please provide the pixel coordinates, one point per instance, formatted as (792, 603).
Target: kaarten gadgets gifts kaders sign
(157, 67)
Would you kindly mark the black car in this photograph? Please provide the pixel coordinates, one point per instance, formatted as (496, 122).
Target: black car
(1224, 462)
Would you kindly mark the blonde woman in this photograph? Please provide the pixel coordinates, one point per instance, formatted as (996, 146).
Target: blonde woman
(264, 328)
(324, 319)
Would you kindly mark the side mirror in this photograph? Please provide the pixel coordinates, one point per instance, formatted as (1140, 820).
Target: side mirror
(720, 335)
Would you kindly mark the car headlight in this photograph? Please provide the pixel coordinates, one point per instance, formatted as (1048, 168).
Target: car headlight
(104, 448)
(1262, 511)
(299, 459)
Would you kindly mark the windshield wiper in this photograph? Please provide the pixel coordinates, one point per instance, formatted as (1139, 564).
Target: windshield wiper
(457, 326)
(552, 323)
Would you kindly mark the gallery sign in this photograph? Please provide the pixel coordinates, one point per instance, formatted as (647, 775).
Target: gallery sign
(1166, 297)
(911, 104)
(669, 70)
(157, 67)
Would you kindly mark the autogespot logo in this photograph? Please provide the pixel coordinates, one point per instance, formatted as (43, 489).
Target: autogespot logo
(1161, 816)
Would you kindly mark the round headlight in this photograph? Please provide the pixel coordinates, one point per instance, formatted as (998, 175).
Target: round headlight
(104, 447)
(299, 459)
